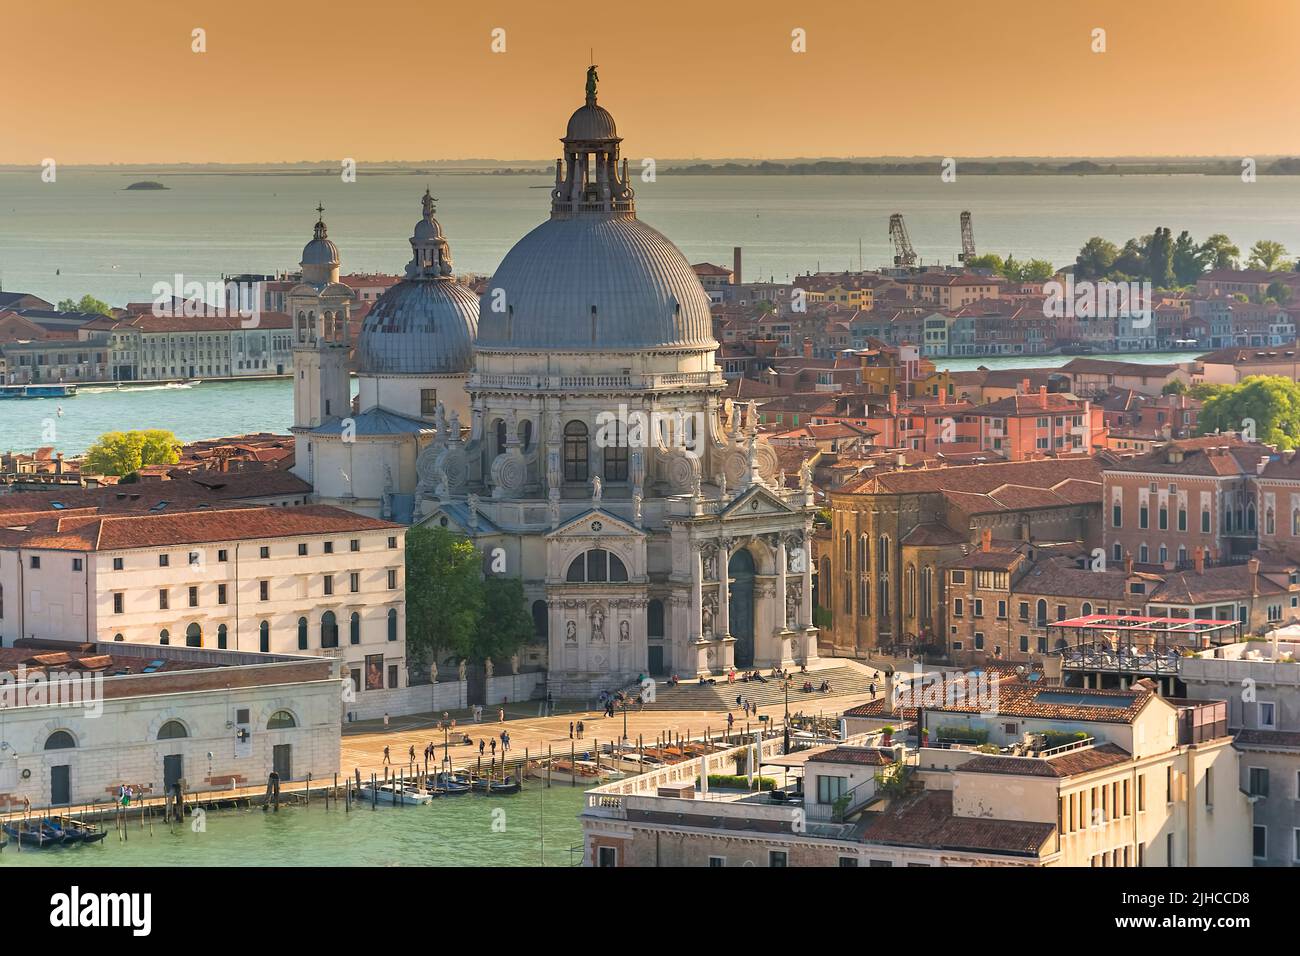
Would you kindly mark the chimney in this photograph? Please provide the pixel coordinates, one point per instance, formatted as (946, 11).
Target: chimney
(986, 540)
(735, 265)
(58, 463)
(1263, 463)
(893, 403)
(1128, 565)
(1253, 567)
(1198, 560)
(807, 348)
(1042, 395)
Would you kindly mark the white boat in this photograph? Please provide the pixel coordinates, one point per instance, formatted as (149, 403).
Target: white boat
(408, 795)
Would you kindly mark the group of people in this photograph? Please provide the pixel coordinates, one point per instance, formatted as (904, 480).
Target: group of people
(824, 687)
(576, 728)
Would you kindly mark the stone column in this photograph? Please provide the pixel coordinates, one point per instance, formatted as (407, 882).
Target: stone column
(783, 632)
(809, 649)
(699, 644)
(722, 624)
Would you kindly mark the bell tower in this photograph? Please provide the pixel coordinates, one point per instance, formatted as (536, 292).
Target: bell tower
(321, 307)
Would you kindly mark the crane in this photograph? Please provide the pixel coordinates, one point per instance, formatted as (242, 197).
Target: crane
(967, 240)
(903, 252)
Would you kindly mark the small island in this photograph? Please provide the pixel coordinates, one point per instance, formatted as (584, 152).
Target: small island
(147, 184)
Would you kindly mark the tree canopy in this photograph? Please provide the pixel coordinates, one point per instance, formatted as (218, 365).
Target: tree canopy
(1264, 408)
(87, 303)
(1167, 262)
(125, 453)
(451, 608)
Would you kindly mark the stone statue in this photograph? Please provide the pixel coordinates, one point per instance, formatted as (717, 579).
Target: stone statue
(805, 475)
(514, 663)
(636, 508)
(427, 204)
(433, 672)
(460, 671)
(624, 631)
(706, 620)
(598, 625)
(592, 79)
(595, 489)
(488, 668)
(553, 506)
(571, 632)
(471, 502)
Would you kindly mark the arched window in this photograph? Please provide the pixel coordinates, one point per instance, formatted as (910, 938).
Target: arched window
(302, 633)
(221, 636)
(525, 434)
(354, 628)
(60, 740)
(164, 637)
(575, 452)
(1085, 609)
(1270, 525)
(329, 630)
(848, 553)
(392, 623)
(172, 730)
(596, 567)
(541, 620)
(909, 589)
(194, 636)
(264, 637)
(1042, 613)
(655, 618)
(281, 720)
(501, 435)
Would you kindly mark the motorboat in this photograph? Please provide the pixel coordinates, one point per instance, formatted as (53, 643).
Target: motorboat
(407, 794)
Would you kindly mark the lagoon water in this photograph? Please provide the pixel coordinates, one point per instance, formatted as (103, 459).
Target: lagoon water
(534, 828)
(215, 409)
(114, 244)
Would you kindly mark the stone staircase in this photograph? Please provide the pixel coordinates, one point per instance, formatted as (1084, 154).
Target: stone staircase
(847, 679)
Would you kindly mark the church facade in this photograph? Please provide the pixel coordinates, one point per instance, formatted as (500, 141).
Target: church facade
(572, 423)
(600, 462)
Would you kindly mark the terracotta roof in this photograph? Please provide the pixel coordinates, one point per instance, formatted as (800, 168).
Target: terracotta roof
(986, 479)
(925, 819)
(1069, 764)
(1020, 699)
(864, 756)
(122, 532)
(1269, 739)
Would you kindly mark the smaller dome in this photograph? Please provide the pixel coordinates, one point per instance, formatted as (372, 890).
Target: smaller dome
(320, 251)
(418, 328)
(591, 122)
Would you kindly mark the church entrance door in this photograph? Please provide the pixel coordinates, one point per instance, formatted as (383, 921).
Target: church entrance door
(740, 609)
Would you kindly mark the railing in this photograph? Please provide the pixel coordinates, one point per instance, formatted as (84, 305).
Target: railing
(1066, 748)
(648, 380)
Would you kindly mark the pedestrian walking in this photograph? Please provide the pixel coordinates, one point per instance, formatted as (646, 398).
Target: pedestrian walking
(386, 758)
(501, 715)
(482, 744)
(385, 721)
(494, 747)
(580, 729)
(873, 688)
(570, 730)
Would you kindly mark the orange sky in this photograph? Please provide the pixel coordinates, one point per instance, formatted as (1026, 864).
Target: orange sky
(88, 81)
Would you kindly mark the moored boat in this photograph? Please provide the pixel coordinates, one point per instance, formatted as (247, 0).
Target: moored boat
(404, 795)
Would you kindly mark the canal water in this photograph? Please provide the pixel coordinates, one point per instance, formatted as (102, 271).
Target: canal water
(216, 409)
(534, 828)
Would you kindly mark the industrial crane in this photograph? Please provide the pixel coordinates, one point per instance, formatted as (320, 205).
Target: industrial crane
(967, 240)
(903, 252)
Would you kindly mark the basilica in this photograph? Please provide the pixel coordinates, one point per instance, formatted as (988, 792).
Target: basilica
(571, 421)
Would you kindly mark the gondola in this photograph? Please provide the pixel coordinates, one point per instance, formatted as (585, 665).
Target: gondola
(28, 833)
(75, 831)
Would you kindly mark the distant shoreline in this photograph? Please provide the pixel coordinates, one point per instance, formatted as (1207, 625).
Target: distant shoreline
(1009, 166)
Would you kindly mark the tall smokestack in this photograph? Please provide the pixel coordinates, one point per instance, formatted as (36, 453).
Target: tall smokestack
(735, 265)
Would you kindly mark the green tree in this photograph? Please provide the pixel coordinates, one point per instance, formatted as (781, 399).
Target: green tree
(444, 593)
(1268, 255)
(1176, 387)
(1219, 252)
(1268, 405)
(87, 303)
(990, 261)
(1188, 259)
(1279, 292)
(1035, 270)
(1095, 259)
(1160, 258)
(1131, 263)
(505, 625)
(125, 453)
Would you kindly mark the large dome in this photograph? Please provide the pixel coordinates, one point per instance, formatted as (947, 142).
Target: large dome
(591, 122)
(427, 322)
(644, 292)
(419, 327)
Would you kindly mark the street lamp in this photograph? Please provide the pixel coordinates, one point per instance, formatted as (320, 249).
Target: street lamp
(785, 745)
